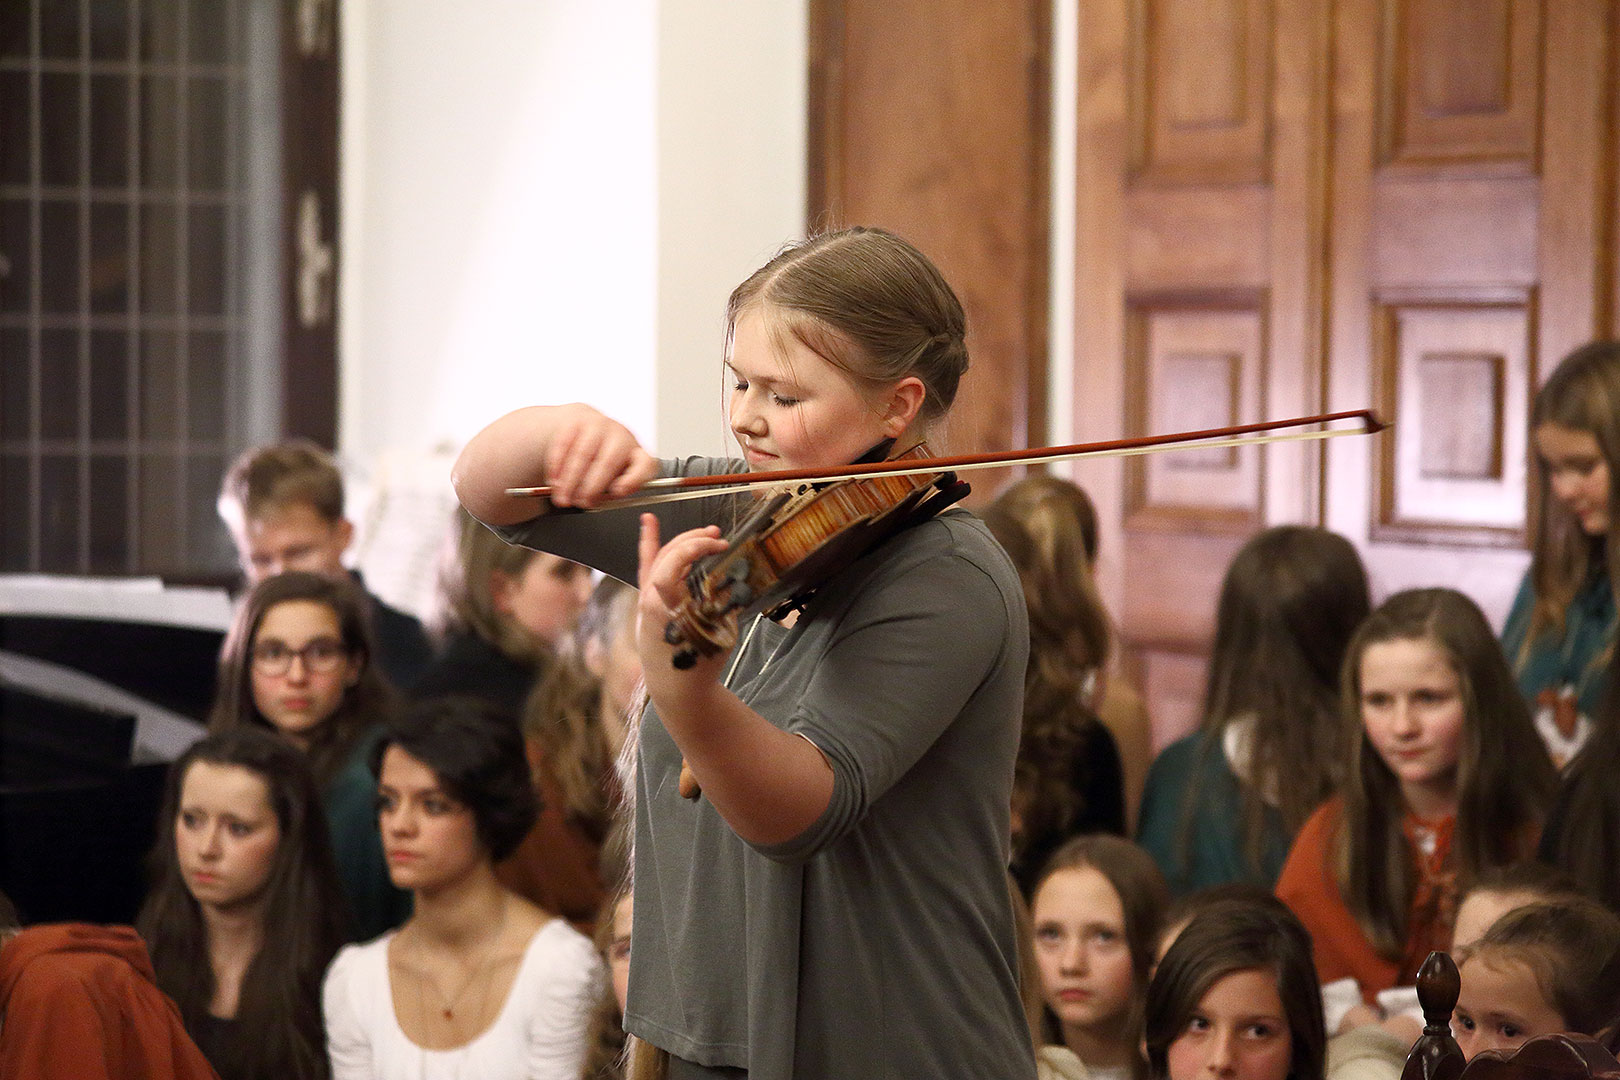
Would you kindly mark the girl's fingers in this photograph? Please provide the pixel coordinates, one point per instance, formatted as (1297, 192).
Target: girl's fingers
(583, 450)
(642, 468)
(663, 569)
(646, 551)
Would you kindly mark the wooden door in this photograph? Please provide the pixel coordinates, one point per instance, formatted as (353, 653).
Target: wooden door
(1291, 206)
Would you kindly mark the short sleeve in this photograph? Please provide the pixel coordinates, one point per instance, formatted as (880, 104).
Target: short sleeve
(565, 989)
(348, 1042)
(908, 656)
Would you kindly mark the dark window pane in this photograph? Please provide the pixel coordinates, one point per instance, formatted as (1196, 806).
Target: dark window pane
(160, 31)
(13, 28)
(16, 233)
(206, 267)
(205, 136)
(109, 384)
(210, 32)
(109, 29)
(59, 257)
(58, 29)
(59, 513)
(109, 520)
(60, 113)
(16, 376)
(161, 365)
(160, 512)
(205, 402)
(160, 132)
(160, 259)
(14, 492)
(109, 257)
(210, 546)
(109, 130)
(59, 384)
(13, 124)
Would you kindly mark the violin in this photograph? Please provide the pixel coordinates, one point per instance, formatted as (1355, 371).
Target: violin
(813, 523)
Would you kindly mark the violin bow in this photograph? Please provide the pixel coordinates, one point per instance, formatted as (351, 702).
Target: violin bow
(677, 488)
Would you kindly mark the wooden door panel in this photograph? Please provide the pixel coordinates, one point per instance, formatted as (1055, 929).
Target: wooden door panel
(1287, 208)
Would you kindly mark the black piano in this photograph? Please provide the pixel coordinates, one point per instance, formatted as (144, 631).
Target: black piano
(102, 684)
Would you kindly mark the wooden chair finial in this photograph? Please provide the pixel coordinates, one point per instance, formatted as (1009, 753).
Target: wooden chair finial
(1436, 1055)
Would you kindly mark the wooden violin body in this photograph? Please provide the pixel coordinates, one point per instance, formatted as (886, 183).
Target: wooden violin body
(790, 543)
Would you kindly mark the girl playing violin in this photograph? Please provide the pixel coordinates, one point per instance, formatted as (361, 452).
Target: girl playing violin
(836, 903)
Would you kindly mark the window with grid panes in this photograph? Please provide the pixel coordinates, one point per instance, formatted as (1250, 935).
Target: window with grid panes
(140, 275)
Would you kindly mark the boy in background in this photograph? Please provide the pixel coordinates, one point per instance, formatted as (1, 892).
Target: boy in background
(283, 505)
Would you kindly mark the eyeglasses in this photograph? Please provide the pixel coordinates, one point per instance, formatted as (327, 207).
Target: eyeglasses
(322, 655)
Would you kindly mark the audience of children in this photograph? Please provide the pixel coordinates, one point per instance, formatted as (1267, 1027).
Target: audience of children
(1096, 915)
(1062, 521)
(1445, 778)
(283, 505)
(478, 982)
(1068, 779)
(1561, 630)
(1225, 803)
(502, 611)
(574, 729)
(1236, 997)
(298, 661)
(1540, 969)
(245, 913)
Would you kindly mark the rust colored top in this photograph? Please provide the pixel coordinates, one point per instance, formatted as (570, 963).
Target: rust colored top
(557, 866)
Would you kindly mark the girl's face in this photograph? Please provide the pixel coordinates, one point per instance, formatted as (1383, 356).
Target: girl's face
(545, 597)
(1500, 1007)
(1412, 710)
(618, 952)
(225, 835)
(792, 409)
(619, 667)
(1577, 474)
(1238, 1032)
(299, 668)
(1081, 949)
(429, 838)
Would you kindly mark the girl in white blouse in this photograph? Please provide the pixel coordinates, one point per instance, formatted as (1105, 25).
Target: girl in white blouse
(479, 982)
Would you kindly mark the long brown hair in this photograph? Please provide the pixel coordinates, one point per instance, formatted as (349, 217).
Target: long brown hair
(1505, 780)
(279, 1016)
(1143, 897)
(1290, 601)
(367, 702)
(868, 303)
(1068, 645)
(1582, 394)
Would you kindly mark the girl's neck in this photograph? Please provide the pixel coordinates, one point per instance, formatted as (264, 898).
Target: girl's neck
(1430, 802)
(1099, 1049)
(461, 912)
(235, 936)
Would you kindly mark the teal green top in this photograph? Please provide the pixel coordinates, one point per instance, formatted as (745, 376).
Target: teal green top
(1212, 853)
(375, 905)
(1578, 659)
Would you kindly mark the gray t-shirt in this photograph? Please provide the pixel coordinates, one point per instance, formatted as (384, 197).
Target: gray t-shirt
(880, 942)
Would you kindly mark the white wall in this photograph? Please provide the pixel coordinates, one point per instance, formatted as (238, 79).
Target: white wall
(550, 201)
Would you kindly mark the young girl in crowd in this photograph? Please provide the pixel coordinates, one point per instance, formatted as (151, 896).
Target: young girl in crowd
(1068, 779)
(245, 912)
(1225, 803)
(1096, 914)
(1502, 889)
(1446, 778)
(478, 982)
(574, 727)
(1561, 631)
(298, 662)
(851, 916)
(503, 611)
(605, 1052)
(1236, 996)
(1062, 523)
(1539, 970)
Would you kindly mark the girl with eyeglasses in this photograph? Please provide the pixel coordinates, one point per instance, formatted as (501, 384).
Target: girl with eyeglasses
(298, 661)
